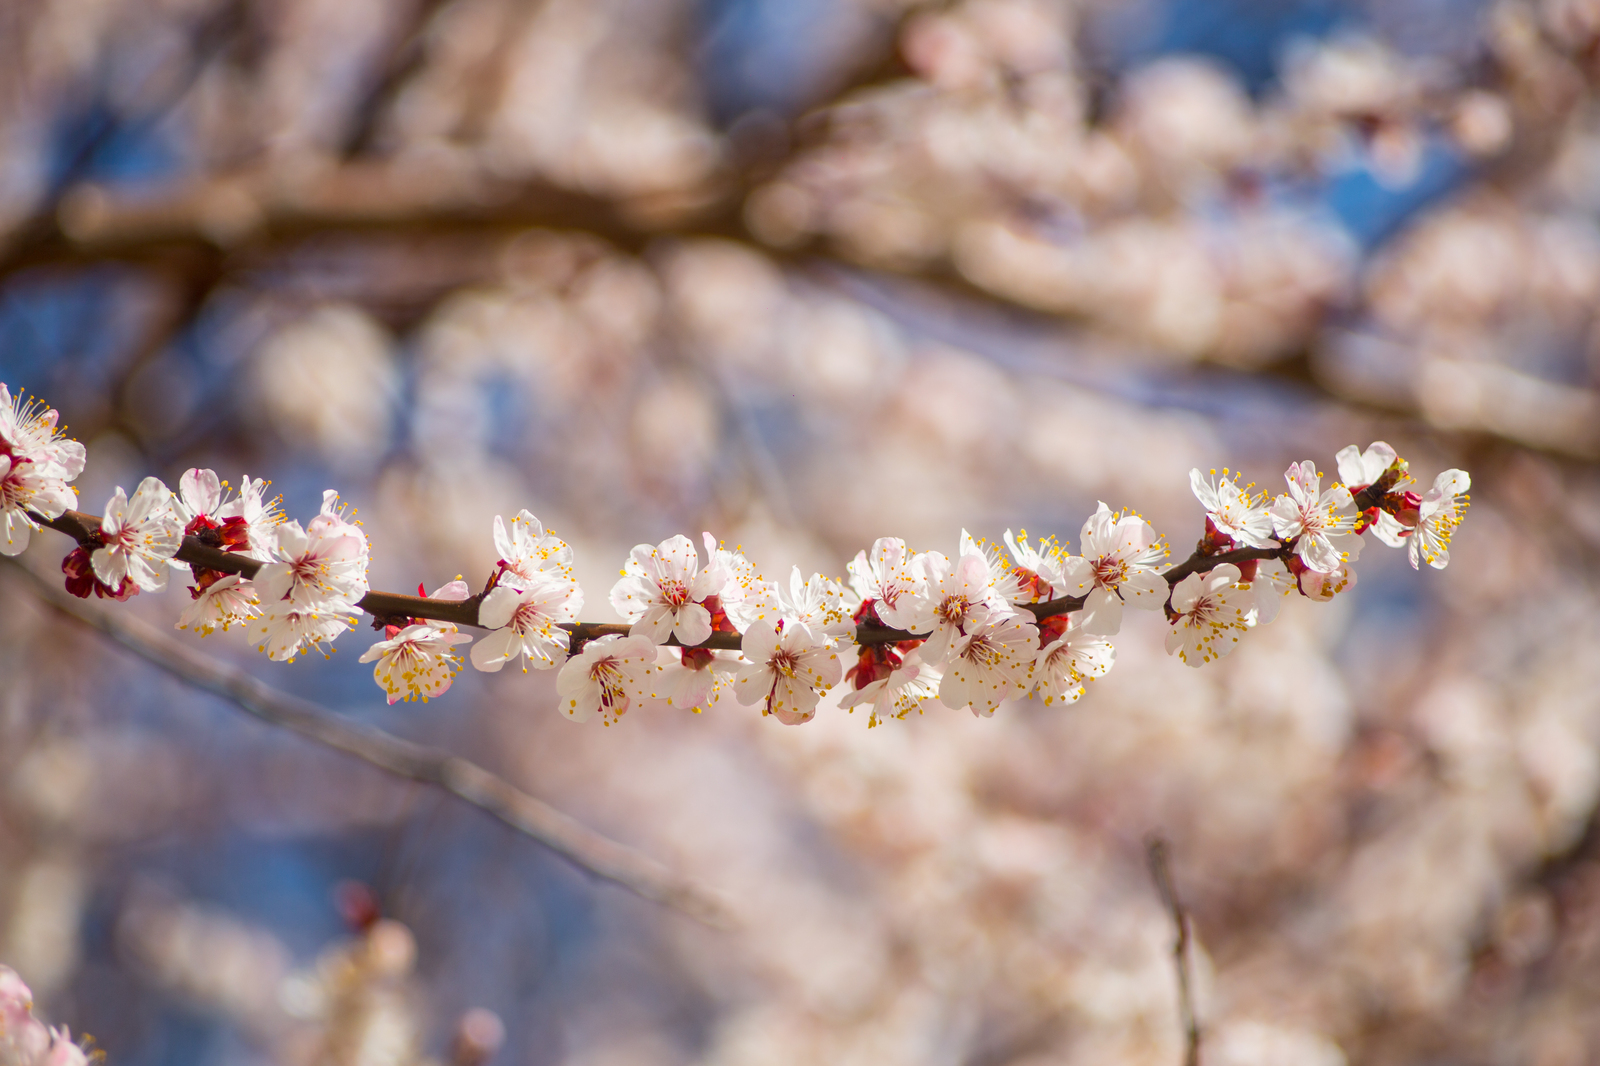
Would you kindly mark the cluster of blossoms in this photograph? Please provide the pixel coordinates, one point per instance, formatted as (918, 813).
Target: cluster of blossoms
(24, 1039)
(971, 629)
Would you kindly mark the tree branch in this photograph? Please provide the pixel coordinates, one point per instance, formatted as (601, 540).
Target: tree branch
(1156, 852)
(466, 780)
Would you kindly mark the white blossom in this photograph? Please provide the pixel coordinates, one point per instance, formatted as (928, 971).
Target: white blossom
(527, 548)
(1042, 563)
(1320, 588)
(1212, 609)
(196, 502)
(1323, 522)
(26, 486)
(662, 590)
(419, 659)
(1358, 469)
(1004, 584)
(261, 516)
(247, 522)
(1272, 582)
(746, 597)
(694, 678)
(956, 590)
(906, 688)
(1438, 515)
(28, 430)
(323, 563)
(788, 672)
(824, 605)
(139, 537)
(606, 676)
(1061, 666)
(991, 663)
(63, 1051)
(1231, 509)
(284, 630)
(526, 613)
(1118, 565)
(228, 601)
(893, 579)
(199, 495)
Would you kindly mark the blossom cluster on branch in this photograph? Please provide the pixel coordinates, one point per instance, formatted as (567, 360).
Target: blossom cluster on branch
(970, 629)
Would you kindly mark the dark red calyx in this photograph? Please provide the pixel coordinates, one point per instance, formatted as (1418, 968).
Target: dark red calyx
(81, 580)
(719, 616)
(875, 663)
(697, 658)
(1215, 541)
(1050, 629)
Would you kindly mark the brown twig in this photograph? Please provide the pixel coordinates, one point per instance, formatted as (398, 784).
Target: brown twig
(1156, 849)
(466, 780)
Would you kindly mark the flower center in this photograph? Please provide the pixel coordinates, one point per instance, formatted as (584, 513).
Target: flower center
(1204, 611)
(952, 609)
(982, 652)
(783, 662)
(608, 676)
(1109, 571)
(527, 617)
(676, 593)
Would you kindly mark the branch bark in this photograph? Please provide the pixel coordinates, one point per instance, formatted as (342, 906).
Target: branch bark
(567, 837)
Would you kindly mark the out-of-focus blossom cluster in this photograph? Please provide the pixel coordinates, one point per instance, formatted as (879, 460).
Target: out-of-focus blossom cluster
(24, 1039)
(972, 630)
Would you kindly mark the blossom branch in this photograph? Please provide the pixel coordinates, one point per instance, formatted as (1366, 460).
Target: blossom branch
(1156, 849)
(462, 778)
(85, 529)
(972, 629)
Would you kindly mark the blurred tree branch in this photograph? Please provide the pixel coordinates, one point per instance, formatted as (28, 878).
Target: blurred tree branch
(460, 777)
(205, 230)
(1156, 851)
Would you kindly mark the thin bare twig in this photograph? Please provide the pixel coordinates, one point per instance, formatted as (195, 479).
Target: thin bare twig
(1156, 849)
(566, 836)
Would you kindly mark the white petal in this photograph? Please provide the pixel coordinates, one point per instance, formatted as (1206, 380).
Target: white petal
(1102, 613)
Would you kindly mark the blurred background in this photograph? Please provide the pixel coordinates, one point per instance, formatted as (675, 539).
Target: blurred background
(805, 273)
